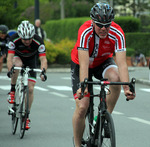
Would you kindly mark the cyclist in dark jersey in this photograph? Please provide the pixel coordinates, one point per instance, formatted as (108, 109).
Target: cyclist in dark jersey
(4, 39)
(24, 47)
(91, 56)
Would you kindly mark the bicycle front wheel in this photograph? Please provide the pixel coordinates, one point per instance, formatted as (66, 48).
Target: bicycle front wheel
(89, 128)
(14, 120)
(106, 136)
(24, 110)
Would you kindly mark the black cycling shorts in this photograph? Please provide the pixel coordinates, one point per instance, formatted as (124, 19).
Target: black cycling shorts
(31, 63)
(97, 72)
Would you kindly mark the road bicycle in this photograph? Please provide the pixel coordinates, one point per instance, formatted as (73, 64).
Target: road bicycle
(102, 132)
(20, 109)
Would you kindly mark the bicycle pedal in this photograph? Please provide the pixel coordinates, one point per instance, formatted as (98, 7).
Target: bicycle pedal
(10, 111)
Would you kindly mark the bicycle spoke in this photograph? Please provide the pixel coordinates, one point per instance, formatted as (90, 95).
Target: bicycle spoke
(24, 112)
(107, 132)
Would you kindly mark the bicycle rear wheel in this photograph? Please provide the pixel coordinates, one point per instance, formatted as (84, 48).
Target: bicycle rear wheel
(106, 137)
(24, 111)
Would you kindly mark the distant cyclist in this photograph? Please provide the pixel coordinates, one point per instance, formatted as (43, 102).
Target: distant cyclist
(92, 55)
(24, 47)
(138, 58)
(4, 39)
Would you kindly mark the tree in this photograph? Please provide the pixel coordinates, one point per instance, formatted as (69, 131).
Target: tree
(140, 7)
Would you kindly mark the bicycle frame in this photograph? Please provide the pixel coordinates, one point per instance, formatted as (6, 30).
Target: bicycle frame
(22, 80)
(102, 107)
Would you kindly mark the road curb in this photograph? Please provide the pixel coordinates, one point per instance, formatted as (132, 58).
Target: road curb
(143, 81)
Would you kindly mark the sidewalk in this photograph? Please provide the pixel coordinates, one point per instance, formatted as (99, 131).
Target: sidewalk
(140, 73)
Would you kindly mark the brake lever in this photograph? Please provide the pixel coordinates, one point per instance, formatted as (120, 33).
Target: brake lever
(132, 86)
(83, 86)
(43, 73)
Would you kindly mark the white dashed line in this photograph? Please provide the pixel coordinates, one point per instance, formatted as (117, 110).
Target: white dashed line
(140, 120)
(40, 88)
(61, 88)
(58, 94)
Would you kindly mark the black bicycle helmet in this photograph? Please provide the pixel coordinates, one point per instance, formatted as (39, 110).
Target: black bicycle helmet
(102, 12)
(3, 29)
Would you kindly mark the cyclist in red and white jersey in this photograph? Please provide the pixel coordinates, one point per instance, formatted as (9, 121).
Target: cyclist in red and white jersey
(91, 56)
(24, 48)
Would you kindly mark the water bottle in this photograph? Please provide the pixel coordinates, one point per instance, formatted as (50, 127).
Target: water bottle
(94, 122)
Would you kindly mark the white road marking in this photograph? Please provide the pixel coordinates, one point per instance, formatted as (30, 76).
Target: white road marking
(145, 89)
(5, 87)
(66, 78)
(117, 113)
(5, 78)
(140, 120)
(40, 88)
(58, 94)
(61, 88)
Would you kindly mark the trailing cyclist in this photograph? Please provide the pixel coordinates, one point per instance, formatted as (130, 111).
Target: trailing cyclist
(24, 47)
(92, 55)
(4, 39)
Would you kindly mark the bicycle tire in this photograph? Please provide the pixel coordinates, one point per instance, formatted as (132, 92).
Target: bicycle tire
(106, 136)
(24, 111)
(14, 117)
(14, 120)
(89, 128)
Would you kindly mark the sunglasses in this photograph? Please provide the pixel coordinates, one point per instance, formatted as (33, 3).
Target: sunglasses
(101, 25)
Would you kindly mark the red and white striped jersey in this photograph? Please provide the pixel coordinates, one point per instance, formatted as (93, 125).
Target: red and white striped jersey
(99, 49)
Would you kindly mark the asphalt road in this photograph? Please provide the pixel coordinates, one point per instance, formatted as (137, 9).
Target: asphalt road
(52, 110)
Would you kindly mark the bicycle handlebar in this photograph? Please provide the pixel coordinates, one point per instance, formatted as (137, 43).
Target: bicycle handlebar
(105, 82)
(10, 73)
(3, 44)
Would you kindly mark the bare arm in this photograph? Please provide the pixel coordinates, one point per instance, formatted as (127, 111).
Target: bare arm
(43, 62)
(84, 64)
(10, 61)
(123, 73)
(122, 66)
(84, 68)
(43, 66)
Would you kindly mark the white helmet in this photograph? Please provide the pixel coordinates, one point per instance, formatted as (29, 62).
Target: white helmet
(26, 30)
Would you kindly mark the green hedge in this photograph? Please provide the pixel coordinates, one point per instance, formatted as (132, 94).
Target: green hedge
(128, 23)
(139, 41)
(68, 28)
(59, 53)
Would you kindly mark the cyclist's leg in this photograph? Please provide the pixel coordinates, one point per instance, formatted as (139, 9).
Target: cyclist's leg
(31, 85)
(81, 107)
(109, 70)
(1, 62)
(31, 63)
(112, 74)
(17, 62)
